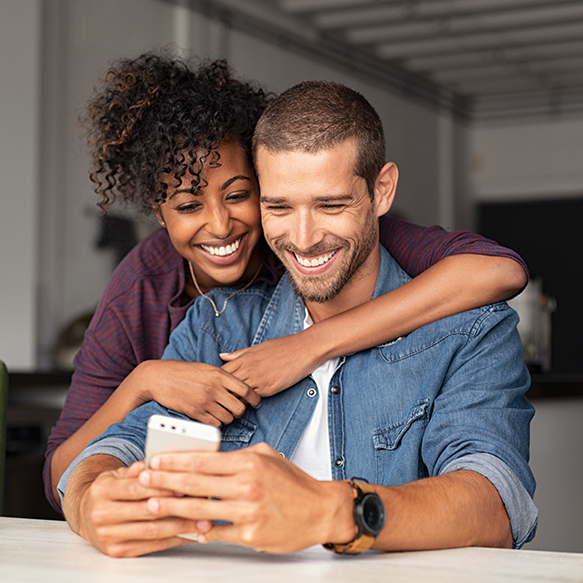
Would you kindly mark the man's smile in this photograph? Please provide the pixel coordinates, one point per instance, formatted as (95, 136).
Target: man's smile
(315, 261)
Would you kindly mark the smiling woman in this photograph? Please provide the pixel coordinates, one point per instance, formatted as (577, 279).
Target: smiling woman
(216, 225)
(174, 139)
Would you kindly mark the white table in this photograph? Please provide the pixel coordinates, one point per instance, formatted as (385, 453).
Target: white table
(47, 551)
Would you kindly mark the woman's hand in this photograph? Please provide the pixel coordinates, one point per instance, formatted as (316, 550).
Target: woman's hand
(201, 391)
(274, 365)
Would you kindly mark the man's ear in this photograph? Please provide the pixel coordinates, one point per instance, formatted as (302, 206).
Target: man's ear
(385, 188)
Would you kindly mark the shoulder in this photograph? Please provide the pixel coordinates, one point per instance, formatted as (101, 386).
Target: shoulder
(153, 259)
(475, 323)
(493, 324)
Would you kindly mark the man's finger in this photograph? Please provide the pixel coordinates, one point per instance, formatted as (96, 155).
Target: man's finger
(152, 529)
(136, 548)
(214, 463)
(196, 509)
(124, 489)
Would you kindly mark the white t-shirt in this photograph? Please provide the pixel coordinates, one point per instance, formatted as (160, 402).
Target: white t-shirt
(312, 454)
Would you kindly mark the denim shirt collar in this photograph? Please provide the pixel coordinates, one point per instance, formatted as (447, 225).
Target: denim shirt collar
(286, 311)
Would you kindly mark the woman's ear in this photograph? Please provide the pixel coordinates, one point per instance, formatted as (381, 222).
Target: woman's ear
(385, 188)
(158, 213)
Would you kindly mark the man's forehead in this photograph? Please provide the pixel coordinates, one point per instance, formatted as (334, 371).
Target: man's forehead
(298, 164)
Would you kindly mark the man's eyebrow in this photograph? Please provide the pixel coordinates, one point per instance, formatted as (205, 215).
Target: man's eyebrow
(334, 197)
(323, 198)
(234, 179)
(271, 199)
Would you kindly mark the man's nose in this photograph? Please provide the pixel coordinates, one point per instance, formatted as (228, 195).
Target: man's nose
(218, 221)
(305, 232)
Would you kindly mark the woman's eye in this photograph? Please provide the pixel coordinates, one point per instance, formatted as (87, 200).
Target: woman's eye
(238, 196)
(189, 207)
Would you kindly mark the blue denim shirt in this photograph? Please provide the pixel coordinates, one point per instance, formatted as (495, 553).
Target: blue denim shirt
(448, 396)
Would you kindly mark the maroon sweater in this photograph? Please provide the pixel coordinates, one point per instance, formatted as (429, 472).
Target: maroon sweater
(141, 307)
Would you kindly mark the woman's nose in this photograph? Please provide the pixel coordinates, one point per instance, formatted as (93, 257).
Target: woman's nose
(218, 221)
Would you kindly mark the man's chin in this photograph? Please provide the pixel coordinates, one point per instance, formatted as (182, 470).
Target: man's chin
(319, 292)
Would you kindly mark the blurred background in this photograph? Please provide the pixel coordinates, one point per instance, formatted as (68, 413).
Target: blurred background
(482, 104)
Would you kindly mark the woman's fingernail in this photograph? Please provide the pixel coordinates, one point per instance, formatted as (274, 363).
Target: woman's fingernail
(145, 478)
(153, 505)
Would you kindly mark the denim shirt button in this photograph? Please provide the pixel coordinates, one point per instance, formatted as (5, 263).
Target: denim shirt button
(281, 453)
(312, 392)
(338, 462)
(335, 389)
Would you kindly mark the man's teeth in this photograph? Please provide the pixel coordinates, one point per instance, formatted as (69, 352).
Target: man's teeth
(223, 251)
(316, 261)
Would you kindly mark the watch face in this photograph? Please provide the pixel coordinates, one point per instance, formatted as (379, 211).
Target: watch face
(373, 513)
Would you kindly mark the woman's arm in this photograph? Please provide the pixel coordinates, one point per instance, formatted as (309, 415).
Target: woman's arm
(201, 391)
(457, 271)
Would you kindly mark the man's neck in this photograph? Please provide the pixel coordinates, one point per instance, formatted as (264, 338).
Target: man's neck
(358, 290)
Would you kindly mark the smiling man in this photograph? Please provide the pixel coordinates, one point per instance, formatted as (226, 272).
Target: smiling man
(420, 443)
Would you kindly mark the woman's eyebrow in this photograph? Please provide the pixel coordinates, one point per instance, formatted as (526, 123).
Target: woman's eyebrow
(195, 191)
(231, 180)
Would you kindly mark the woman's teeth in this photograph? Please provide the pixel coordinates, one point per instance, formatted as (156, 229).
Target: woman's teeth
(223, 251)
(316, 260)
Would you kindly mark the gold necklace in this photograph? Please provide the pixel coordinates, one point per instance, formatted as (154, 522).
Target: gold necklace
(217, 313)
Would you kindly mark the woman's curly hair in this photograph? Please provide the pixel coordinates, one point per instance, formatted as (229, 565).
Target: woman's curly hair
(155, 115)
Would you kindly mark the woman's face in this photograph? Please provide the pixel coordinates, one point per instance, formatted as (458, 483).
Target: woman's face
(217, 225)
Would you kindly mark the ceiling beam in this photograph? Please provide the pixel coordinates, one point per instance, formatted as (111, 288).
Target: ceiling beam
(451, 27)
(486, 41)
(527, 68)
(394, 13)
(489, 56)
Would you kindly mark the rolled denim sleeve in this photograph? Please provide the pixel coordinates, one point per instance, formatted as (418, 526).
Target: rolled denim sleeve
(482, 410)
(521, 510)
(125, 441)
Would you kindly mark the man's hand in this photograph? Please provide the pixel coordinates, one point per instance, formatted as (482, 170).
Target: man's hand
(271, 504)
(109, 508)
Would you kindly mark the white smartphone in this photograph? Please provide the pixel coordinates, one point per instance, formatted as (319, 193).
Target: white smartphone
(169, 434)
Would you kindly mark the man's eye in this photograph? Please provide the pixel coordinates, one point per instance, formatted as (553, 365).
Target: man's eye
(333, 207)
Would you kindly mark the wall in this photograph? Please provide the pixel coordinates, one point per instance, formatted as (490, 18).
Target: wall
(19, 92)
(530, 160)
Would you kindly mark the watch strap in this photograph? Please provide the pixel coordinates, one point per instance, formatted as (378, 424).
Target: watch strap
(364, 541)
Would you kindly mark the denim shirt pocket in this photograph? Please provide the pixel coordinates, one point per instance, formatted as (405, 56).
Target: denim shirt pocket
(392, 455)
(237, 435)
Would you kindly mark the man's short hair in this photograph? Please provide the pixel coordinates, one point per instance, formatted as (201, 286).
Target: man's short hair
(318, 115)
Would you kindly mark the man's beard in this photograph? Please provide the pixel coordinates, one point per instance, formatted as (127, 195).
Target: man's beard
(323, 288)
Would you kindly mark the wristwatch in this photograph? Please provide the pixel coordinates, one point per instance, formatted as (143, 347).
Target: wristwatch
(369, 516)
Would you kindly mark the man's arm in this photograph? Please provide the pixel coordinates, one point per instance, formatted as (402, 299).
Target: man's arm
(106, 504)
(273, 506)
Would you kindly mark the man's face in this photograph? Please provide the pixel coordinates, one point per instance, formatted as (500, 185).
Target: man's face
(318, 218)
